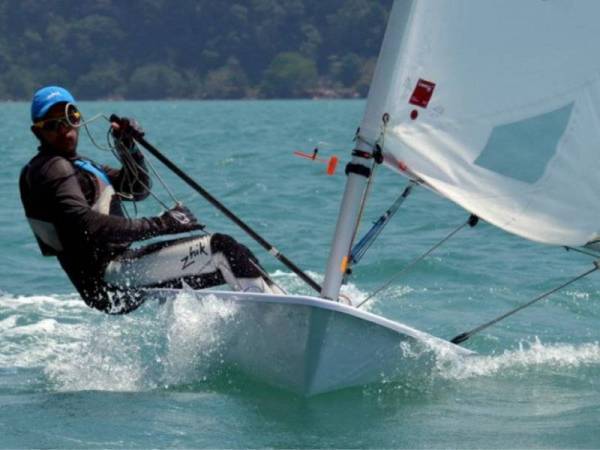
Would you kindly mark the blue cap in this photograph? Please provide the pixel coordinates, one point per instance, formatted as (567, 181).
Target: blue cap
(45, 98)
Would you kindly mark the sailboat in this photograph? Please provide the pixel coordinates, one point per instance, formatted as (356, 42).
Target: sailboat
(464, 92)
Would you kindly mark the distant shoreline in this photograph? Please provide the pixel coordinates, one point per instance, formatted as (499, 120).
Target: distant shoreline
(113, 99)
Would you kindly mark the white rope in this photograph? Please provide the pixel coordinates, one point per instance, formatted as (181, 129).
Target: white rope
(123, 155)
(412, 263)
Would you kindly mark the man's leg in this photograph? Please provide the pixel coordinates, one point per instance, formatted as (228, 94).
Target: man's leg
(199, 262)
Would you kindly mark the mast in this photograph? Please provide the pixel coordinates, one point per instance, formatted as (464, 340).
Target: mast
(359, 172)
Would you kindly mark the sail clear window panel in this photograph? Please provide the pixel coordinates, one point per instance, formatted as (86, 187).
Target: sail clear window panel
(509, 148)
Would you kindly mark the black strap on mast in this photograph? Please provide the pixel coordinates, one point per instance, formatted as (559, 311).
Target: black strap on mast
(217, 204)
(464, 336)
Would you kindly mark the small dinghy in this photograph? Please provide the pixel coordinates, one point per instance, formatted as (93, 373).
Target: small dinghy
(464, 96)
(310, 345)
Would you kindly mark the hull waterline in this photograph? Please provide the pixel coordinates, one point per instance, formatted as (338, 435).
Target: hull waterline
(310, 346)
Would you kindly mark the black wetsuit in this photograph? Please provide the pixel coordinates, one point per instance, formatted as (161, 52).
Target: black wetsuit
(74, 208)
(61, 201)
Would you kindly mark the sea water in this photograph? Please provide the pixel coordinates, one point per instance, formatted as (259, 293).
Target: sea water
(72, 377)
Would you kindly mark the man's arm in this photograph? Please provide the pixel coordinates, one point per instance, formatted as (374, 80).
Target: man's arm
(133, 181)
(74, 216)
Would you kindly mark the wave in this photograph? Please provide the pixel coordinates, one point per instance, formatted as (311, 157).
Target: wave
(74, 348)
(182, 342)
(528, 356)
(350, 292)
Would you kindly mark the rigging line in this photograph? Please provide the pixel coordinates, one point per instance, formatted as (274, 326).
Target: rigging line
(377, 148)
(84, 125)
(163, 204)
(161, 181)
(130, 171)
(370, 236)
(578, 250)
(464, 336)
(470, 221)
(363, 202)
(81, 122)
(91, 138)
(126, 159)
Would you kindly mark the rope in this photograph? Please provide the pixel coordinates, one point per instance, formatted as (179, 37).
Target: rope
(369, 238)
(379, 144)
(84, 124)
(161, 181)
(123, 155)
(363, 203)
(471, 221)
(464, 336)
(579, 250)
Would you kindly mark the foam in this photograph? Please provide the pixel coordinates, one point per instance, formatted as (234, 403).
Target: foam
(196, 335)
(179, 342)
(528, 355)
(9, 322)
(294, 285)
(42, 327)
(19, 302)
(184, 342)
(76, 348)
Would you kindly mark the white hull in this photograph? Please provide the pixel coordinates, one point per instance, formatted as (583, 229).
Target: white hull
(310, 345)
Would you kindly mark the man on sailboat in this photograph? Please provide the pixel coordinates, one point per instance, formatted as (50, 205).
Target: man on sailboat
(73, 206)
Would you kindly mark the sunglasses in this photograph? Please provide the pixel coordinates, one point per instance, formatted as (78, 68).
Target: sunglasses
(71, 119)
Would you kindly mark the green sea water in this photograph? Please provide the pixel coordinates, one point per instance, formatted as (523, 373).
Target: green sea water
(71, 377)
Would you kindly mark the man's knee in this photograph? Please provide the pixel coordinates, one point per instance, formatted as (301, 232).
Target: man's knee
(241, 260)
(227, 245)
(222, 243)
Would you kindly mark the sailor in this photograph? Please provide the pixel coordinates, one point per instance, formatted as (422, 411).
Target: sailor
(74, 208)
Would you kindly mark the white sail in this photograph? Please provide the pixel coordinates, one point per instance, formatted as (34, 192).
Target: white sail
(495, 105)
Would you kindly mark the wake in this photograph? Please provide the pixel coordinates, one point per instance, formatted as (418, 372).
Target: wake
(74, 348)
(534, 355)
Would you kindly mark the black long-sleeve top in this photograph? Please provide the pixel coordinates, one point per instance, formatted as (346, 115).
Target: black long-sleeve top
(88, 221)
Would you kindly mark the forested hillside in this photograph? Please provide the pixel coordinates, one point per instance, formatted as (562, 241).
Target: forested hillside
(152, 49)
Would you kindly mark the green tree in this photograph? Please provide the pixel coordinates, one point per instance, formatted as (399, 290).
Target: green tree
(312, 41)
(156, 81)
(289, 75)
(347, 69)
(19, 83)
(366, 75)
(104, 81)
(155, 49)
(228, 82)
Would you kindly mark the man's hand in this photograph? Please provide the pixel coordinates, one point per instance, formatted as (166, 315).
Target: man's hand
(125, 129)
(179, 219)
